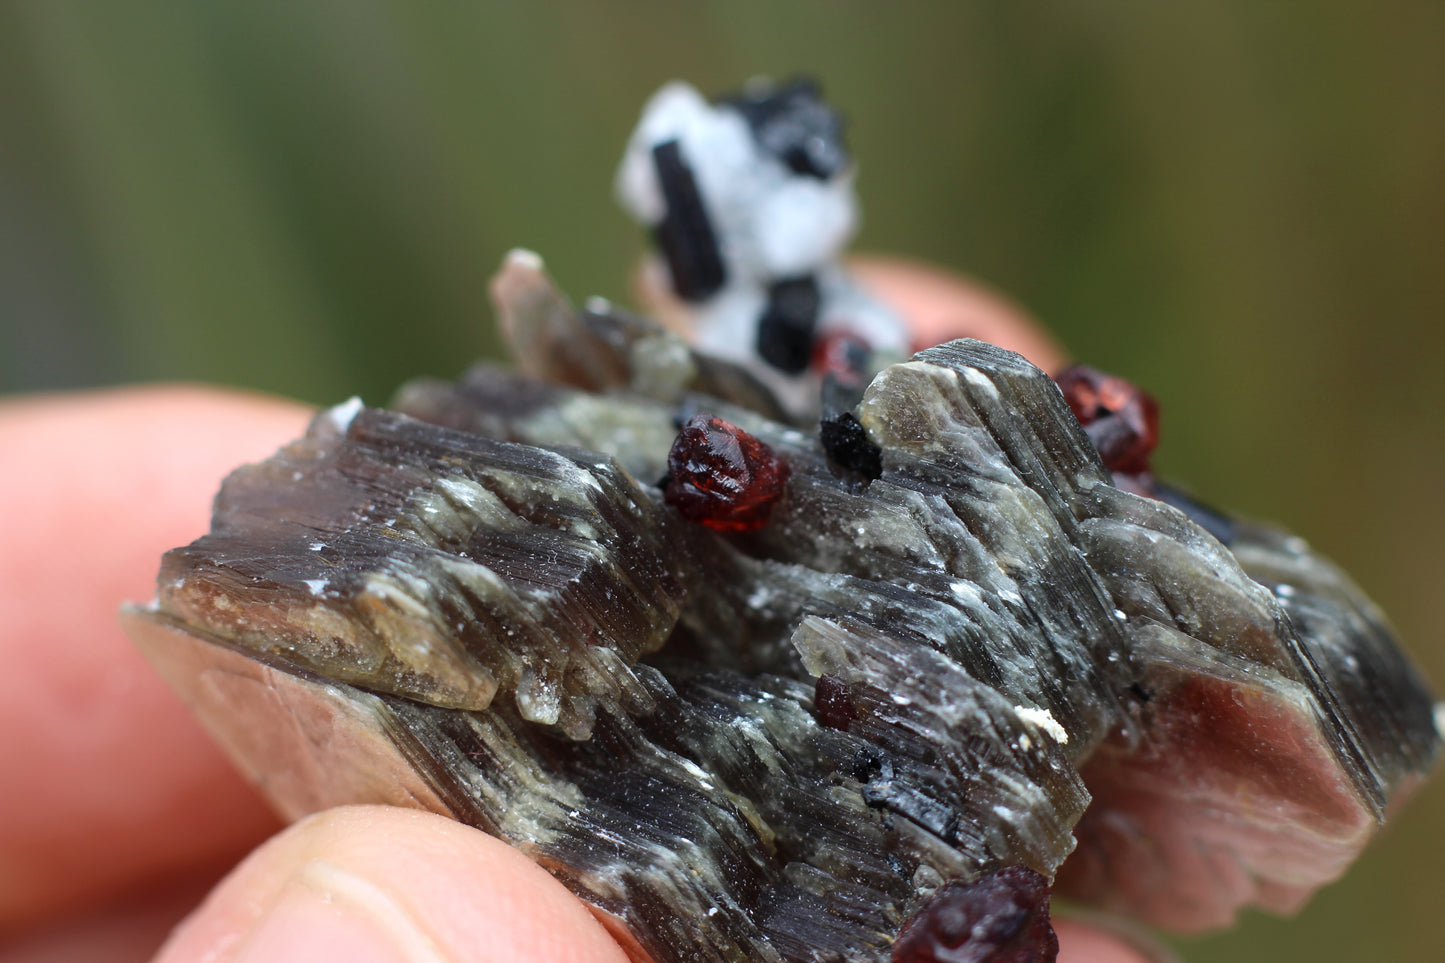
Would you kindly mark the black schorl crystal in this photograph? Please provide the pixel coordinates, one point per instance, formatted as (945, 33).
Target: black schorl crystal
(794, 124)
(785, 330)
(685, 236)
(848, 446)
(872, 727)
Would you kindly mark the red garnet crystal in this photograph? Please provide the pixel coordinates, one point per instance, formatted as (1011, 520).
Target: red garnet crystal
(842, 354)
(1121, 419)
(999, 918)
(720, 476)
(833, 702)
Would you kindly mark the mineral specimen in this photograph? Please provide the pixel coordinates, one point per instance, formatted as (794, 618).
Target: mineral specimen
(750, 200)
(947, 661)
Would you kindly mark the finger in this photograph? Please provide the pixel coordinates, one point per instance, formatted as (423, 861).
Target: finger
(130, 932)
(112, 782)
(940, 306)
(368, 883)
(1079, 943)
(126, 931)
(371, 884)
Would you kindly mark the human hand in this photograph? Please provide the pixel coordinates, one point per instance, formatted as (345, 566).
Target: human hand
(121, 811)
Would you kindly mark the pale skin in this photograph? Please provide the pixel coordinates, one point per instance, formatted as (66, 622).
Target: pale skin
(120, 814)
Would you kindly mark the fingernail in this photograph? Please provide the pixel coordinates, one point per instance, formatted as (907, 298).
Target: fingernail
(328, 913)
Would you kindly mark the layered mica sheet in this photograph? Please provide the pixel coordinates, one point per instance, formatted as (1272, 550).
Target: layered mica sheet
(438, 566)
(489, 585)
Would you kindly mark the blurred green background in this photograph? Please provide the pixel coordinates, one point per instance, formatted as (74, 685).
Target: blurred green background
(1239, 204)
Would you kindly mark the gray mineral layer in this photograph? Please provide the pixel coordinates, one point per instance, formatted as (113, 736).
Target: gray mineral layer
(479, 603)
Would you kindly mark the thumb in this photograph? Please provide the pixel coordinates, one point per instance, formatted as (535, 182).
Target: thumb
(372, 884)
(940, 306)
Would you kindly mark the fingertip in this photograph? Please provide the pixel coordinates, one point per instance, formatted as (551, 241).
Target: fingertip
(115, 477)
(940, 306)
(371, 883)
(120, 784)
(1082, 943)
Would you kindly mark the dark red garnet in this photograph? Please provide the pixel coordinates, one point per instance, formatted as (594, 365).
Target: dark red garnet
(833, 702)
(842, 354)
(720, 476)
(1002, 917)
(1121, 419)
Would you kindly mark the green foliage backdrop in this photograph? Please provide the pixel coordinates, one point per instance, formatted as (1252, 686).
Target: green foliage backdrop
(1239, 204)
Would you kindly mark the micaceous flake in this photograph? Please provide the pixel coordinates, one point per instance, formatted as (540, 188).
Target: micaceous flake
(759, 686)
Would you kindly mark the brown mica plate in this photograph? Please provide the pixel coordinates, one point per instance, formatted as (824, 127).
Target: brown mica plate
(984, 665)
